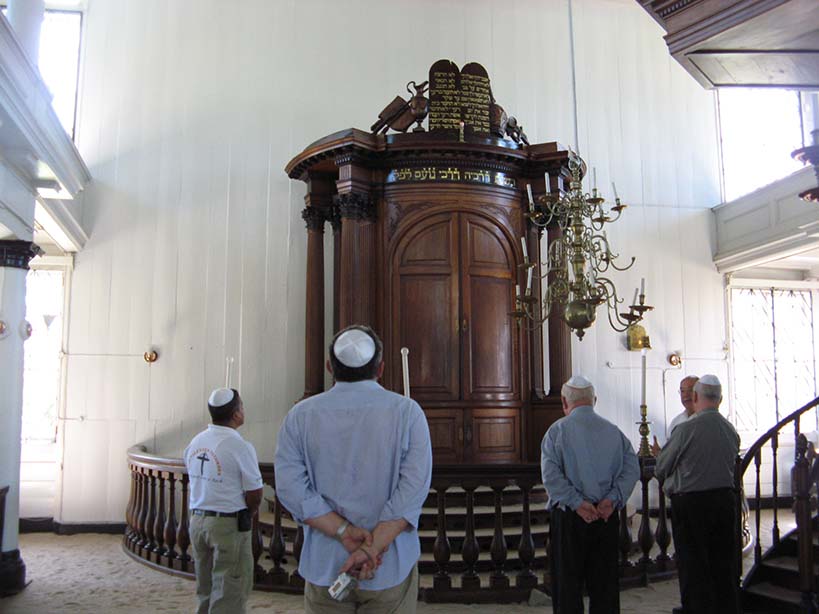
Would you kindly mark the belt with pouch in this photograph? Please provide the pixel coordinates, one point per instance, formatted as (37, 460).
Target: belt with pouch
(212, 513)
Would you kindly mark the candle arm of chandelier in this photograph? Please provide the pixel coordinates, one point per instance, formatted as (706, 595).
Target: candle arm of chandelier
(616, 321)
(625, 268)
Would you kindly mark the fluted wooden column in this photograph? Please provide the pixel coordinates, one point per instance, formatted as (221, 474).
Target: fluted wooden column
(335, 223)
(314, 302)
(560, 340)
(357, 298)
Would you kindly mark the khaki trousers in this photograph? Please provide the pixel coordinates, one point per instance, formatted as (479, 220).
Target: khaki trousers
(224, 565)
(401, 599)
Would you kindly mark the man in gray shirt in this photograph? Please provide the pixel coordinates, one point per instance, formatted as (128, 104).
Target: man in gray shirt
(697, 465)
(589, 470)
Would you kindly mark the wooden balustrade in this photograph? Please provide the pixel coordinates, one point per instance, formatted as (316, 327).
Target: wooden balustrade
(484, 531)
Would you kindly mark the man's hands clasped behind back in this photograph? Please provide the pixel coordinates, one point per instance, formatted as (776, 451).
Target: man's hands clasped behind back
(590, 512)
(364, 558)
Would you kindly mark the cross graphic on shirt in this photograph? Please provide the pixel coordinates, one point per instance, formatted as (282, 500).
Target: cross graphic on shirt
(204, 458)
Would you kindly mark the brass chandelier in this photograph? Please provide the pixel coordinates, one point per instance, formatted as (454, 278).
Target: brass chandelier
(578, 261)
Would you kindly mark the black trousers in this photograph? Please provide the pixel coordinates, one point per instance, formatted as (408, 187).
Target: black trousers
(704, 529)
(581, 554)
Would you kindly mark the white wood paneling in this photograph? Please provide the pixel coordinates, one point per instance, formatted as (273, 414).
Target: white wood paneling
(189, 112)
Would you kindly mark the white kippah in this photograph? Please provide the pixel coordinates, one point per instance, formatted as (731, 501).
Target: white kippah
(220, 397)
(579, 382)
(354, 348)
(710, 380)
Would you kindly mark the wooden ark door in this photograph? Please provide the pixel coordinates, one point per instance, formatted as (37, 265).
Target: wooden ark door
(425, 308)
(453, 277)
(489, 340)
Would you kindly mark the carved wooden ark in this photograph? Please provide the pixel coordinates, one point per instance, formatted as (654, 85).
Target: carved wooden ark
(426, 238)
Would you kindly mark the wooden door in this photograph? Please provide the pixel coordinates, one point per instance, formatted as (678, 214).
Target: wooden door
(453, 277)
(425, 309)
(489, 336)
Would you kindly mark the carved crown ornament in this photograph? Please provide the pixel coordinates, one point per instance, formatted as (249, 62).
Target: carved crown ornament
(460, 105)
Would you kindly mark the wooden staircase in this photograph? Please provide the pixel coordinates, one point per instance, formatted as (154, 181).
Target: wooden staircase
(773, 585)
(785, 578)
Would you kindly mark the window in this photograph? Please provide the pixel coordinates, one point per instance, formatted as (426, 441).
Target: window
(759, 128)
(59, 61)
(773, 354)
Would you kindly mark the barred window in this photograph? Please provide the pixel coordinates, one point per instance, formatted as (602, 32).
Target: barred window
(773, 354)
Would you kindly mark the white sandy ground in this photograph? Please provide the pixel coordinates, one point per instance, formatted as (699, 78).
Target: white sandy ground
(91, 574)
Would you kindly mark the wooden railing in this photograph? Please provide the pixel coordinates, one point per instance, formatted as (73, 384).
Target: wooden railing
(753, 456)
(484, 531)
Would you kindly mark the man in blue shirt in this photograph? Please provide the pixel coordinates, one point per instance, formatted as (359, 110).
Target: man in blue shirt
(353, 465)
(589, 470)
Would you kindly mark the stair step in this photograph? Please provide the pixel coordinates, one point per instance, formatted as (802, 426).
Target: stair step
(769, 591)
(788, 563)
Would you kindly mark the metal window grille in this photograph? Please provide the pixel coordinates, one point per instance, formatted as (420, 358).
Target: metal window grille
(773, 354)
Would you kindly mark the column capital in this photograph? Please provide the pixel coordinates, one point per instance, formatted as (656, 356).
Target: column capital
(314, 218)
(335, 218)
(17, 254)
(355, 206)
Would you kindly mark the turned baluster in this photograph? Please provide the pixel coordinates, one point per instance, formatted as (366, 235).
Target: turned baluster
(441, 549)
(526, 547)
(256, 546)
(143, 514)
(183, 537)
(644, 535)
(662, 535)
(758, 507)
(470, 580)
(129, 507)
(278, 574)
(296, 579)
(498, 550)
(169, 531)
(150, 542)
(774, 449)
(624, 539)
(159, 521)
(547, 539)
(804, 524)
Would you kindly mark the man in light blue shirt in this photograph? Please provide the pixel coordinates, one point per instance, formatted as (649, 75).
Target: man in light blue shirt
(589, 470)
(353, 465)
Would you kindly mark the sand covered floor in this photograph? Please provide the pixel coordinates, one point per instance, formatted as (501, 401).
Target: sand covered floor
(90, 573)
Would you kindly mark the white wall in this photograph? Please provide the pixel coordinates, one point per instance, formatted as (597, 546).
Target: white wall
(189, 111)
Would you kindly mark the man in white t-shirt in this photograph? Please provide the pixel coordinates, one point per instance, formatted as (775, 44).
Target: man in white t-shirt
(225, 492)
(687, 399)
